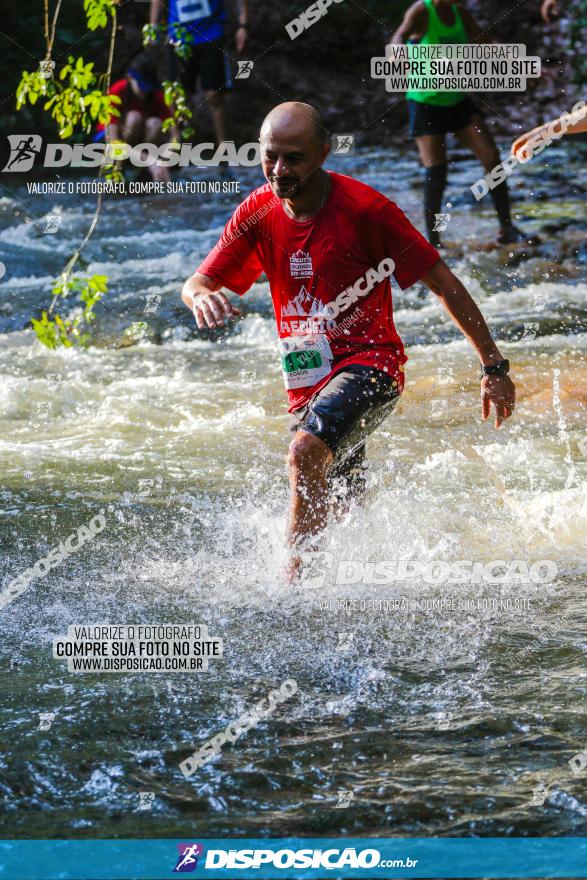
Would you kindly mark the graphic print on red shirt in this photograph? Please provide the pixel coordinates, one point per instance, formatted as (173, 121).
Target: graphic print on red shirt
(353, 241)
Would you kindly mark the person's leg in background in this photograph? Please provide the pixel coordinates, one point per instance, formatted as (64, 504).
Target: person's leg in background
(153, 132)
(477, 138)
(432, 150)
(217, 105)
(133, 128)
(154, 135)
(216, 81)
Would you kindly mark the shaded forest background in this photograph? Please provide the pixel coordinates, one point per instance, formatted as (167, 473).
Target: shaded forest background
(328, 65)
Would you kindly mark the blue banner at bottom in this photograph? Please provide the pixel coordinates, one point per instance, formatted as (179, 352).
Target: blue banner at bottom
(372, 857)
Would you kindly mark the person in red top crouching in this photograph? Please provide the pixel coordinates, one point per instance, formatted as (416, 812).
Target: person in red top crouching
(142, 110)
(329, 246)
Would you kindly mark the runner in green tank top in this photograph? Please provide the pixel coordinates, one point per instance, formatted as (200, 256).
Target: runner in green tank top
(439, 32)
(433, 114)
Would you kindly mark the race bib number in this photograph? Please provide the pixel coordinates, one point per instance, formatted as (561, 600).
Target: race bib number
(305, 360)
(193, 10)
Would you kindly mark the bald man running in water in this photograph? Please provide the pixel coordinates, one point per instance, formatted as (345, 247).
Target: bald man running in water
(328, 245)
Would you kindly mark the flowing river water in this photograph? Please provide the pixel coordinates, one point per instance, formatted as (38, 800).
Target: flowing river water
(426, 713)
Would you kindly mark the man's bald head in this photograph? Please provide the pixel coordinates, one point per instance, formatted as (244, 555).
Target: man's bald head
(296, 122)
(294, 146)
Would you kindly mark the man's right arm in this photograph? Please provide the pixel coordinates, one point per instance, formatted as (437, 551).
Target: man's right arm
(204, 298)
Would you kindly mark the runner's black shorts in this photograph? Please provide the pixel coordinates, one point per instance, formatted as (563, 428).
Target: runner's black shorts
(433, 119)
(343, 413)
(207, 62)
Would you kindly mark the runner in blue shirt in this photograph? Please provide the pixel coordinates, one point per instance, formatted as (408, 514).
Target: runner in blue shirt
(208, 60)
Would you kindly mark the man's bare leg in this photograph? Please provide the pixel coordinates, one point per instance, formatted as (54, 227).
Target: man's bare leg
(217, 107)
(308, 463)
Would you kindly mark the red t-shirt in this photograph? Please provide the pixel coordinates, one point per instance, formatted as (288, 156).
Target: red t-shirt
(329, 278)
(152, 104)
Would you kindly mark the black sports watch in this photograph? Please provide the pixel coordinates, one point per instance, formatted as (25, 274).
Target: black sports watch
(501, 368)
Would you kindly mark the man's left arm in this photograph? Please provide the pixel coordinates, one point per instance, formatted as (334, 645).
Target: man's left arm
(465, 313)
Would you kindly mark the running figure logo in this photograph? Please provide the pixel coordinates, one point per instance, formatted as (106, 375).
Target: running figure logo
(146, 800)
(244, 69)
(343, 144)
(440, 222)
(153, 302)
(46, 720)
(23, 149)
(53, 222)
(187, 860)
(344, 799)
(46, 69)
(530, 330)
